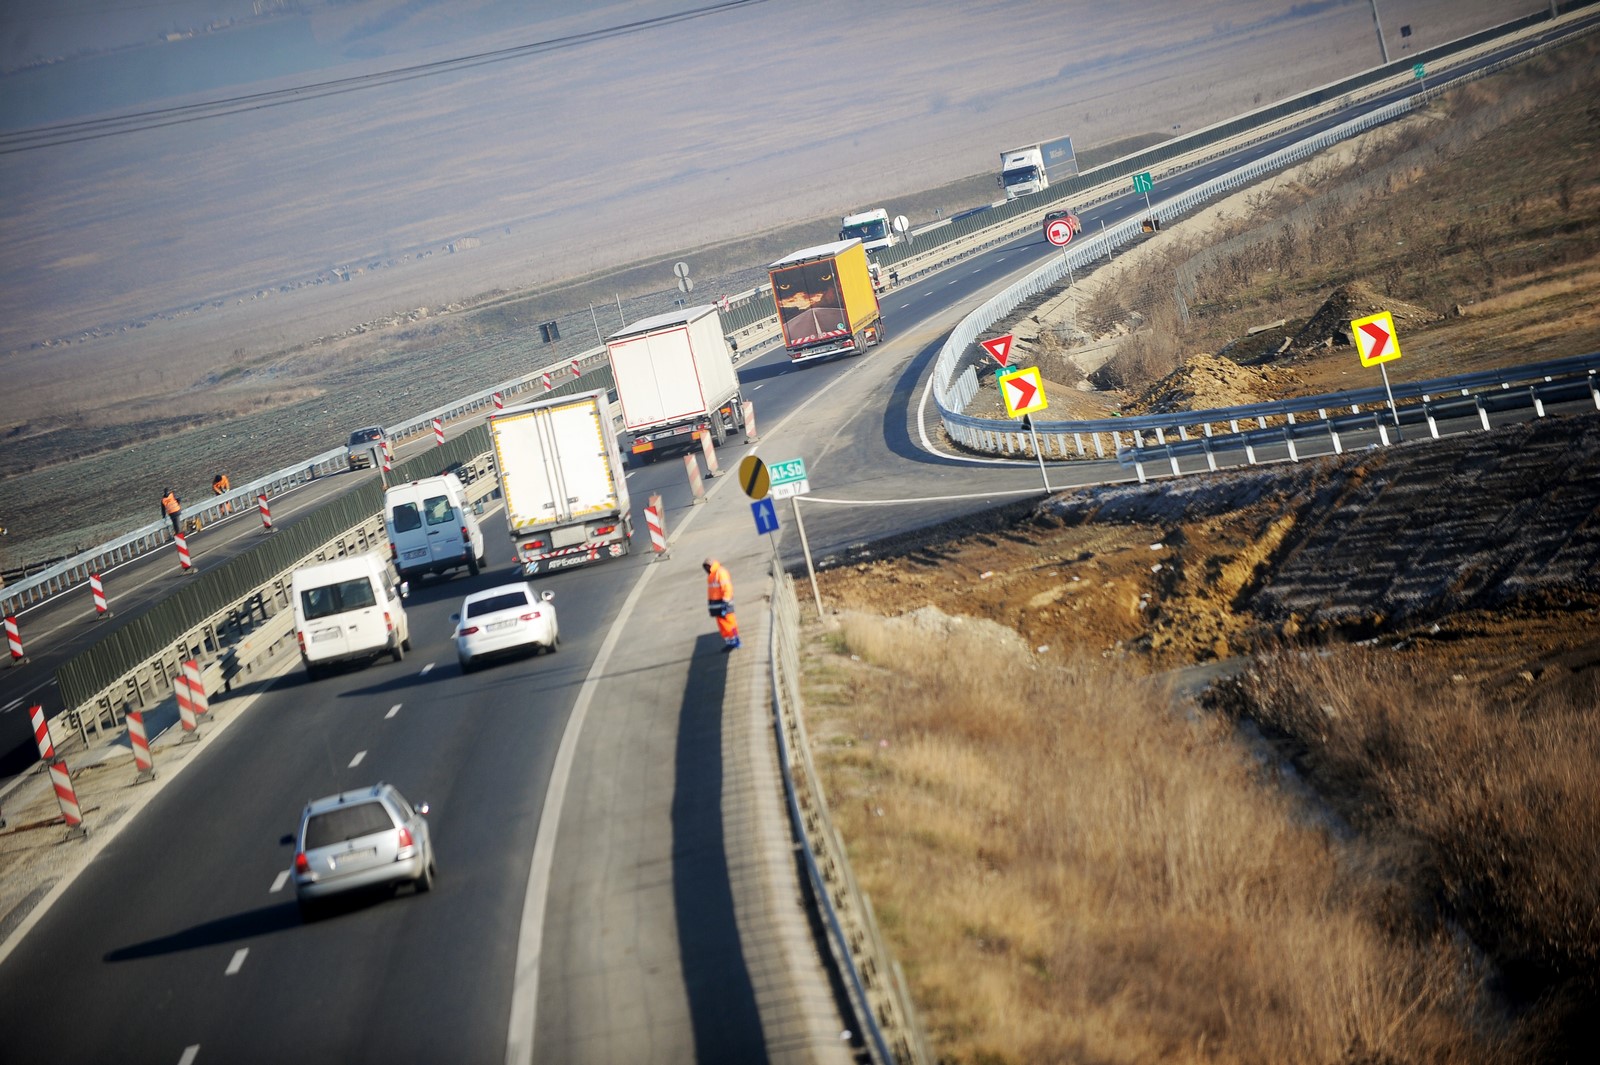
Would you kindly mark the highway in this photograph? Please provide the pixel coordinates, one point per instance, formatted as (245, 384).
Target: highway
(181, 942)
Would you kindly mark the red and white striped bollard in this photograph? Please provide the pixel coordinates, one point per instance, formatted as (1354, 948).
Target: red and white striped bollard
(750, 436)
(575, 371)
(191, 696)
(140, 742)
(438, 432)
(499, 402)
(692, 467)
(546, 379)
(99, 590)
(388, 458)
(183, 553)
(67, 798)
(41, 733)
(709, 447)
(14, 640)
(266, 512)
(657, 525)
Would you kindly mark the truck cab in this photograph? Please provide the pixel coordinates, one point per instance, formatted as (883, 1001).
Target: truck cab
(1022, 172)
(872, 228)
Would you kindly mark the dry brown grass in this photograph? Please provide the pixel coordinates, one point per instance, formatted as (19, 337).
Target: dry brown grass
(1496, 789)
(1070, 870)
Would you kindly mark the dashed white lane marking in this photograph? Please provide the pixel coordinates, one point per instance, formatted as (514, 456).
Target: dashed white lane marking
(278, 882)
(357, 759)
(189, 1054)
(238, 961)
(426, 670)
(393, 710)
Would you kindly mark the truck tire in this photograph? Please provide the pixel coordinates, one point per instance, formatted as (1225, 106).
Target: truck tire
(472, 562)
(719, 432)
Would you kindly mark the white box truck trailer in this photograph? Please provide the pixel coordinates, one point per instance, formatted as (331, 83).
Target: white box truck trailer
(675, 382)
(562, 480)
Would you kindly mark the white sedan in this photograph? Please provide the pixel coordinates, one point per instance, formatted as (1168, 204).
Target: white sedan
(505, 620)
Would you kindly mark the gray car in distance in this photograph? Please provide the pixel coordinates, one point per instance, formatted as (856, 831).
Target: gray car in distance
(363, 839)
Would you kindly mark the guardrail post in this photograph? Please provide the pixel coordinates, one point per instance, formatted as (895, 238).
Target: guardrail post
(1288, 439)
(1172, 457)
(1538, 404)
(1211, 456)
(1333, 434)
(1249, 451)
(1383, 429)
(1433, 423)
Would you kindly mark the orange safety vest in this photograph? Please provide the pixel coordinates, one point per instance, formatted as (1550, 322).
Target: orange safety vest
(719, 584)
(170, 501)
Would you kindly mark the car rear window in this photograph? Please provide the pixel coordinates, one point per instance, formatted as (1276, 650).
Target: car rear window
(439, 510)
(504, 601)
(351, 821)
(337, 598)
(366, 436)
(406, 518)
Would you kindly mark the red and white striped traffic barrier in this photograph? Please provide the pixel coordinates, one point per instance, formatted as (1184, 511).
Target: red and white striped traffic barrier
(499, 402)
(692, 468)
(41, 733)
(709, 447)
(99, 590)
(750, 436)
(388, 458)
(575, 371)
(546, 379)
(140, 742)
(438, 432)
(67, 798)
(183, 553)
(14, 640)
(657, 525)
(191, 694)
(266, 512)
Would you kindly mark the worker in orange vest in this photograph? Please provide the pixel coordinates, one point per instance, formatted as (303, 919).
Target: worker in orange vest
(219, 487)
(719, 602)
(170, 505)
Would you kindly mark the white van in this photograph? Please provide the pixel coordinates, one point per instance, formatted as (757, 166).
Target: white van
(432, 528)
(347, 610)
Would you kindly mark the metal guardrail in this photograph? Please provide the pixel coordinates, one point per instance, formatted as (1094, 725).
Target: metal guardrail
(874, 981)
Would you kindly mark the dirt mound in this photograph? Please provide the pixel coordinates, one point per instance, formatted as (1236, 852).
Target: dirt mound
(1330, 326)
(1206, 381)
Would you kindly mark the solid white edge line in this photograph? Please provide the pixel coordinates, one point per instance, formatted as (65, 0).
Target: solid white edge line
(237, 961)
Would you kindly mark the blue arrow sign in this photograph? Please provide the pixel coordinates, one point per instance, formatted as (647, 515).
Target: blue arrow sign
(766, 516)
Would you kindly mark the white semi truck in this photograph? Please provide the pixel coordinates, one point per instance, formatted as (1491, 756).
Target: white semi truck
(1032, 167)
(675, 382)
(874, 229)
(561, 476)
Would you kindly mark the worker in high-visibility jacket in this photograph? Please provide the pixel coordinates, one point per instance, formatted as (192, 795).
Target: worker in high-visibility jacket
(170, 505)
(719, 602)
(220, 487)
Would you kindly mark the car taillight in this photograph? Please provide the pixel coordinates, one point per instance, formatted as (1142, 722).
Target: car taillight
(300, 863)
(394, 554)
(604, 530)
(302, 638)
(388, 622)
(533, 545)
(405, 836)
(468, 631)
(465, 536)
(530, 616)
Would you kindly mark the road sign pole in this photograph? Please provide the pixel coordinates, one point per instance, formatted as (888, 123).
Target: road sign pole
(1393, 410)
(1038, 453)
(805, 547)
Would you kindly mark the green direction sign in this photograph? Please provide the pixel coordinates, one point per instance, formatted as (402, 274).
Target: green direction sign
(1419, 70)
(1142, 182)
(788, 478)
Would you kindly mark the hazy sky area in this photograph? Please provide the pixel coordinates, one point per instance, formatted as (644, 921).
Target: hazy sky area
(569, 159)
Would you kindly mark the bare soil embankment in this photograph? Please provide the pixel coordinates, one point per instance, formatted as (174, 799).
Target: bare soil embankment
(1373, 844)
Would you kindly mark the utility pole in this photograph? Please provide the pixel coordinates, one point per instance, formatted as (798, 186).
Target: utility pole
(1376, 21)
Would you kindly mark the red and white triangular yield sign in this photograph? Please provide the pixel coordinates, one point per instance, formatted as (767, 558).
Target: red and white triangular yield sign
(999, 347)
(1023, 391)
(1375, 338)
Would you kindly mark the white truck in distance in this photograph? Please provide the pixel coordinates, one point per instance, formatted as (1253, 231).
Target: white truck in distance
(1032, 167)
(675, 382)
(562, 480)
(874, 229)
